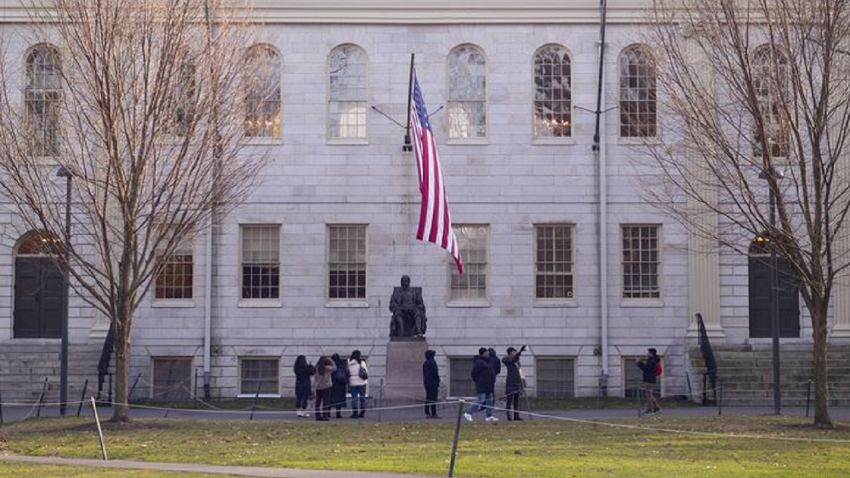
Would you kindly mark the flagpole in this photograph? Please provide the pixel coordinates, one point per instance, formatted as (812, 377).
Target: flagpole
(407, 144)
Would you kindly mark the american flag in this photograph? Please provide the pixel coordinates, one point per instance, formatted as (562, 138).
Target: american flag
(435, 222)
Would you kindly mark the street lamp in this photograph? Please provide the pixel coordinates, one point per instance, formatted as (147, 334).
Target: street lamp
(63, 374)
(776, 175)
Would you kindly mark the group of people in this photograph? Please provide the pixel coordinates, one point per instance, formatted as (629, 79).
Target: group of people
(332, 378)
(485, 369)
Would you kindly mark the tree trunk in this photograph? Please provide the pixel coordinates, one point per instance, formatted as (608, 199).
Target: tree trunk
(120, 410)
(819, 349)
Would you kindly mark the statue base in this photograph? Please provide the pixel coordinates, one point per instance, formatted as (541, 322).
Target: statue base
(405, 356)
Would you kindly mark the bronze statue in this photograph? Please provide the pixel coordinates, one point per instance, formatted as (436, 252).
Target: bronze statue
(408, 310)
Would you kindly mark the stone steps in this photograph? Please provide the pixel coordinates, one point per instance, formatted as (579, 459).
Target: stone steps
(746, 373)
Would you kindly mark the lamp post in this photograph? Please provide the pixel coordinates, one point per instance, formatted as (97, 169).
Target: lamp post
(66, 241)
(774, 288)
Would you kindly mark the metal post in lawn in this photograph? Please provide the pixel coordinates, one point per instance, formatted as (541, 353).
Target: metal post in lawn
(41, 397)
(133, 388)
(99, 430)
(380, 401)
(82, 397)
(704, 389)
(460, 407)
(254, 405)
(1, 406)
(109, 397)
(527, 403)
(808, 398)
(690, 389)
(720, 401)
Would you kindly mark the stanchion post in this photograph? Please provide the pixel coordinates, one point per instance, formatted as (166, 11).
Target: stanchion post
(1, 406)
(109, 398)
(460, 407)
(380, 401)
(133, 388)
(83, 397)
(99, 430)
(808, 397)
(41, 397)
(720, 400)
(254, 405)
(690, 389)
(704, 389)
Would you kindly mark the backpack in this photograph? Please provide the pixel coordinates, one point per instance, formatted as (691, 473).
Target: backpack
(340, 376)
(658, 369)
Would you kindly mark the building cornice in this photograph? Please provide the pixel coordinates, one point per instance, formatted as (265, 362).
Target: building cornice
(407, 12)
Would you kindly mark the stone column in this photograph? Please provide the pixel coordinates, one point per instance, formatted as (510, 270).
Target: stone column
(703, 246)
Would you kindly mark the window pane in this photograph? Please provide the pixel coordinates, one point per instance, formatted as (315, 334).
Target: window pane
(473, 242)
(640, 262)
(460, 378)
(770, 76)
(467, 93)
(259, 375)
(552, 95)
(172, 379)
(637, 94)
(262, 98)
(349, 95)
(554, 262)
(43, 95)
(261, 262)
(347, 262)
(555, 378)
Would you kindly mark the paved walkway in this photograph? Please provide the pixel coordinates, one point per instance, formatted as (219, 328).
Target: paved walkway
(208, 469)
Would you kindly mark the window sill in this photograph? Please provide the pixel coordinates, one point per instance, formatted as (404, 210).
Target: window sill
(173, 303)
(261, 141)
(259, 304)
(348, 142)
(468, 142)
(262, 395)
(469, 303)
(630, 141)
(642, 303)
(350, 304)
(565, 303)
(566, 141)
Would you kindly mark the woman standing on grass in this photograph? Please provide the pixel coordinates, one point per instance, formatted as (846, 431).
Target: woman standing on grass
(359, 378)
(303, 372)
(325, 367)
(340, 384)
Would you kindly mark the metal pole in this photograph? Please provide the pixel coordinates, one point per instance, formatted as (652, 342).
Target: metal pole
(41, 397)
(720, 401)
(82, 397)
(407, 145)
(99, 431)
(380, 400)
(460, 407)
(690, 388)
(774, 303)
(66, 277)
(808, 397)
(254, 405)
(1, 406)
(133, 388)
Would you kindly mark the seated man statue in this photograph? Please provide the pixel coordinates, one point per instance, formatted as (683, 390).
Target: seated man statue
(408, 310)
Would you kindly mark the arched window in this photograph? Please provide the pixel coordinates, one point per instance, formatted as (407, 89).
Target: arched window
(348, 94)
(467, 105)
(770, 73)
(638, 117)
(262, 102)
(552, 93)
(43, 96)
(38, 287)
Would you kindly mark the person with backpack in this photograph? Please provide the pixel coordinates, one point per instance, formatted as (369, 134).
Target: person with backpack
(485, 385)
(651, 368)
(357, 382)
(303, 373)
(339, 386)
(431, 380)
(513, 383)
(325, 368)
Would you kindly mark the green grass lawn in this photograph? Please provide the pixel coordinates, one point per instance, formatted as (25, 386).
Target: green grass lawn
(538, 449)
(11, 469)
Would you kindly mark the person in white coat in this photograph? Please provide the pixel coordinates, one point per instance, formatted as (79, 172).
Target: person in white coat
(357, 382)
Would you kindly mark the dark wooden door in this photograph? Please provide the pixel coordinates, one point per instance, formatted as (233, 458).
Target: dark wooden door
(789, 299)
(38, 298)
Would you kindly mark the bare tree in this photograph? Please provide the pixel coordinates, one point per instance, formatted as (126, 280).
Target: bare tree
(141, 101)
(751, 91)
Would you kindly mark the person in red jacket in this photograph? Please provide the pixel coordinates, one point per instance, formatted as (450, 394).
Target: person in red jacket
(649, 367)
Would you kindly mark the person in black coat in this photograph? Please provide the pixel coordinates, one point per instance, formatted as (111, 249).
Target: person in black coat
(303, 372)
(339, 384)
(513, 383)
(494, 362)
(485, 385)
(431, 380)
(649, 367)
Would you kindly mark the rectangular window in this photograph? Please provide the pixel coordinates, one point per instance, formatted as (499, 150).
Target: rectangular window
(553, 262)
(261, 262)
(175, 277)
(633, 379)
(460, 377)
(640, 262)
(472, 285)
(172, 379)
(259, 375)
(555, 377)
(347, 262)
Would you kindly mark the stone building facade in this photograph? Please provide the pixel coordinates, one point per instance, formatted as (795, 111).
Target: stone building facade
(307, 265)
